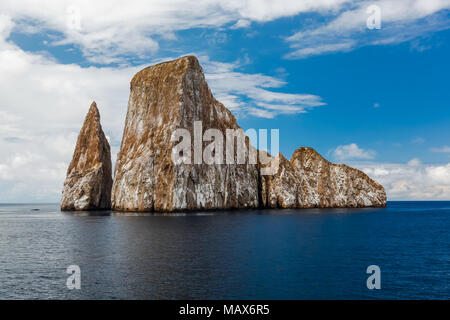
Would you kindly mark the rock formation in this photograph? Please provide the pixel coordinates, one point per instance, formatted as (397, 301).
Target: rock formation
(174, 95)
(310, 181)
(89, 181)
(163, 98)
(325, 184)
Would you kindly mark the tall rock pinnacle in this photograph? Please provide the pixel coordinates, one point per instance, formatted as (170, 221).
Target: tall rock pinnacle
(89, 181)
(163, 98)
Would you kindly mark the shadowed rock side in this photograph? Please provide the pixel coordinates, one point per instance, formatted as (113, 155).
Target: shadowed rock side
(89, 181)
(283, 189)
(310, 181)
(174, 95)
(163, 98)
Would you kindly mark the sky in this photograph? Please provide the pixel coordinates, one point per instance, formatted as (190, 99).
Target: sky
(323, 72)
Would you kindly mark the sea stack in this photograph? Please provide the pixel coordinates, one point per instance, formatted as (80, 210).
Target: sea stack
(174, 95)
(89, 176)
(163, 98)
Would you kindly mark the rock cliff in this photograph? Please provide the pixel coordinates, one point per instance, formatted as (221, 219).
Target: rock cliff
(89, 181)
(149, 176)
(175, 95)
(163, 98)
(325, 184)
(310, 181)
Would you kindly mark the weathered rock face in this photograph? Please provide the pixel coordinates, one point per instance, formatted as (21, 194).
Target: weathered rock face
(282, 189)
(310, 181)
(175, 95)
(89, 181)
(163, 98)
(325, 184)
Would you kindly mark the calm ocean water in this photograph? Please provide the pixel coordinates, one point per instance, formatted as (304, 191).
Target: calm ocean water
(269, 254)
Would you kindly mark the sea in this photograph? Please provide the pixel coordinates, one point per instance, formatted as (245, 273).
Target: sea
(255, 254)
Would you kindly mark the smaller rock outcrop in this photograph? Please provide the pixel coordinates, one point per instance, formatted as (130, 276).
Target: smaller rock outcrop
(89, 176)
(327, 184)
(310, 181)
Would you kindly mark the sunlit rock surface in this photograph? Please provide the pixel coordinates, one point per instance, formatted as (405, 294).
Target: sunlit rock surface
(325, 184)
(310, 181)
(89, 181)
(174, 95)
(163, 98)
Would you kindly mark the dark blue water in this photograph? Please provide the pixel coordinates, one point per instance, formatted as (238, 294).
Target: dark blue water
(271, 254)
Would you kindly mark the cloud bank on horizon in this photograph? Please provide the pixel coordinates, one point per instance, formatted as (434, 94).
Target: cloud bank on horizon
(45, 90)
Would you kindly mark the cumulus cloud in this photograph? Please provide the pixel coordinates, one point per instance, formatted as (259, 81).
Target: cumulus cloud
(108, 31)
(42, 108)
(401, 21)
(352, 151)
(411, 181)
(113, 31)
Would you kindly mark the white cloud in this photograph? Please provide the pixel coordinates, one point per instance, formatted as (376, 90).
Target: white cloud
(305, 52)
(111, 31)
(411, 181)
(352, 151)
(260, 113)
(414, 162)
(444, 149)
(6, 25)
(245, 93)
(401, 21)
(43, 104)
(242, 23)
(108, 31)
(268, 10)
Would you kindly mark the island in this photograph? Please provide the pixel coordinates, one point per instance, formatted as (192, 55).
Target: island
(173, 97)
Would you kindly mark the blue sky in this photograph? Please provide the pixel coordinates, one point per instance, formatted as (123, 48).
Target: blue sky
(374, 99)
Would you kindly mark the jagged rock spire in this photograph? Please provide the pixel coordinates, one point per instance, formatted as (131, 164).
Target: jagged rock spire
(89, 180)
